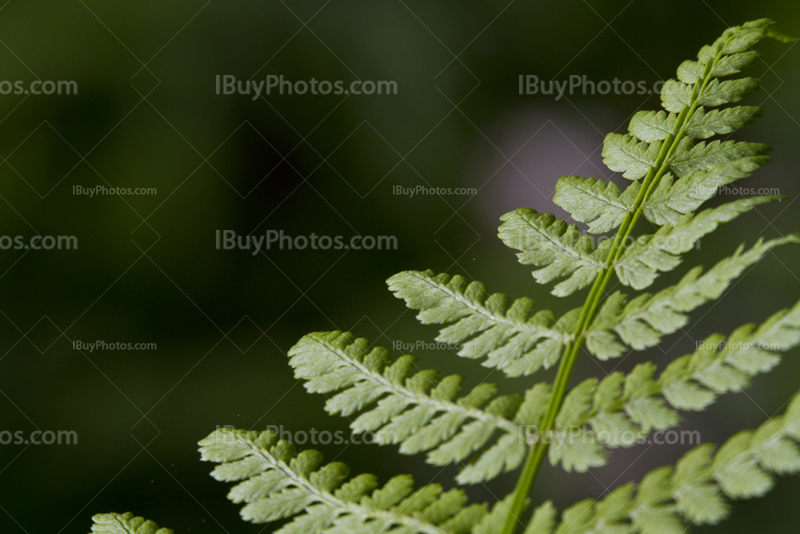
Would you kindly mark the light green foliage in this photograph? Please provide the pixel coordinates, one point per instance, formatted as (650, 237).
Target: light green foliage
(558, 247)
(547, 242)
(697, 489)
(622, 410)
(625, 154)
(641, 322)
(661, 252)
(509, 334)
(492, 523)
(276, 482)
(671, 167)
(721, 122)
(543, 520)
(704, 169)
(125, 523)
(595, 202)
(419, 410)
(576, 451)
(652, 126)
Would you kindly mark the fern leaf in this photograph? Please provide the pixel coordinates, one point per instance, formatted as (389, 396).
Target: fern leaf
(505, 455)
(676, 95)
(652, 126)
(595, 202)
(125, 523)
(492, 522)
(651, 254)
(576, 451)
(420, 411)
(632, 406)
(547, 353)
(718, 93)
(626, 154)
(642, 322)
(275, 482)
(507, 333)
(691, 71)
(706, 156)
(703, 125)
(543, 520)
(554, 245)
(695, 490)
(700, 168)
(625, 409)
(674, 198)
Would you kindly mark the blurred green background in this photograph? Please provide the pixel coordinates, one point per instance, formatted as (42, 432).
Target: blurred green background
(147, 270)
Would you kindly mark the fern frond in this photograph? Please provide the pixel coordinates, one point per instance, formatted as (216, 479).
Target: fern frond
(629, 156)
(507, 333)
(623, 409)
(643, 321)
(492, 522)
(557, 247)
(675, 198)
(721, 121)
(717, 155)
(673, 168)
(576, 451)
(640, 264)
(703, 166)
(125, 523)
(650, 126)
(595, 202)
(275, 482)
(694, 490)
(600, 204)
(692, 172)
(542, 521)
(420, 411)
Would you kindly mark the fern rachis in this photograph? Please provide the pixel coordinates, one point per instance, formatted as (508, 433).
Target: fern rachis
(674, 167)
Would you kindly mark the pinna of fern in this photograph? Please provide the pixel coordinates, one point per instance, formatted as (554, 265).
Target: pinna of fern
(674, 166)
(421, 411)
(275, 482)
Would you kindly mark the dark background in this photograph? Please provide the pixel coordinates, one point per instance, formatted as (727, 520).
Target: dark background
(147, 270)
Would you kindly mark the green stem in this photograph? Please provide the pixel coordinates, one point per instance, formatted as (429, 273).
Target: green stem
(560, 389)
